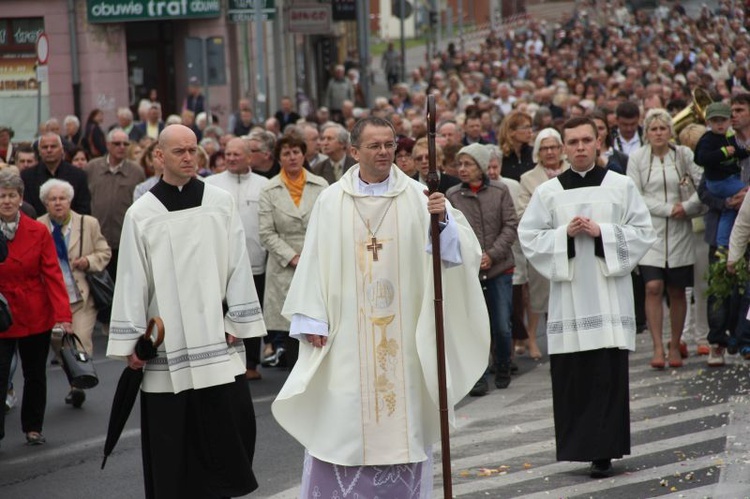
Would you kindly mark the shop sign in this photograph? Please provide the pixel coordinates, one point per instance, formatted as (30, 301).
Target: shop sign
(344, 10)
(244, 10)
(309, 19)
(110, 11)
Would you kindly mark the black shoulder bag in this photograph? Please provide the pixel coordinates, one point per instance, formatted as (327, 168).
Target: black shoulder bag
(101, 285)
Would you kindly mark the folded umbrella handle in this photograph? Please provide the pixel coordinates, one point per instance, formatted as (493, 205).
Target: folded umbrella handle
(155, 321)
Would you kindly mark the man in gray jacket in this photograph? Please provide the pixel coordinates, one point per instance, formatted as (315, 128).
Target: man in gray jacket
(339, 89)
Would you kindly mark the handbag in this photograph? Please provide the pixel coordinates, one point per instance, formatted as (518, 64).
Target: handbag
(687, 185)
(101, 285)
(78, 366)
(6, 319)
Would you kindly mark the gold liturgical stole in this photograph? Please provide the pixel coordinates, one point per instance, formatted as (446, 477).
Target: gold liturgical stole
(379, 328)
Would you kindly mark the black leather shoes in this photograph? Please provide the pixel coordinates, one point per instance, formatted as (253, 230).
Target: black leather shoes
(502, 377)
(76, 397)
(601, 468)
(481, 388)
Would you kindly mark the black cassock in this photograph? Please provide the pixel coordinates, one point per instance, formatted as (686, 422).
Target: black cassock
(197, 443)
(590, 389)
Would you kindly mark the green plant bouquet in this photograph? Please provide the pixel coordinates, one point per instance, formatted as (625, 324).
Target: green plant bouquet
(722, 283)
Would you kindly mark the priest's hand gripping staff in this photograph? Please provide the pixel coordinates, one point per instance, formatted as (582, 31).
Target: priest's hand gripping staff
(432, 184)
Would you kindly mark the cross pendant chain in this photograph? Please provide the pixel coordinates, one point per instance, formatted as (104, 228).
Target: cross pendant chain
(374, 246)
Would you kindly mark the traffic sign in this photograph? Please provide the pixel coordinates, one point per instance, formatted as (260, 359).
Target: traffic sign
(42, 49)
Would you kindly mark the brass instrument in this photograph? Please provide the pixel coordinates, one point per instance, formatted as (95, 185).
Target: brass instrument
(694, 113)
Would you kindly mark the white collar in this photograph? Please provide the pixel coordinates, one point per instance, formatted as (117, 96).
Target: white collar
(583, 174)
(373, 189)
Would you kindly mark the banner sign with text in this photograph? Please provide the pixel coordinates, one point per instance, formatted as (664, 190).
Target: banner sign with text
(110, 11)
(244, 10)
(309, 19)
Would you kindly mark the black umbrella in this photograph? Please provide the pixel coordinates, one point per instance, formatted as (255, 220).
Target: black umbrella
(130, 384)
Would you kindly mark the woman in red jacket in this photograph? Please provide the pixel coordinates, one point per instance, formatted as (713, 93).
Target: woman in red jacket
(31, 281)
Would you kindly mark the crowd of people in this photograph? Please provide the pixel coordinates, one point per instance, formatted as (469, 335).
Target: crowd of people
(506, 125)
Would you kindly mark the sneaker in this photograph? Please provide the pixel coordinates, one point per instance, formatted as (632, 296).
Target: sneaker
(10, 400)
(274, 359)
(481, 388)
(35, 438)
(703, 350)
(745, 352)
(716, 356)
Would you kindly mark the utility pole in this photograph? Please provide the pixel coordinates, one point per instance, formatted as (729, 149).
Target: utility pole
(363, 20)
(260, 72)
(402, 11)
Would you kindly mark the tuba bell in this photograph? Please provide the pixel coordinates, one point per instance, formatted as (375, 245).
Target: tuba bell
(693, 113)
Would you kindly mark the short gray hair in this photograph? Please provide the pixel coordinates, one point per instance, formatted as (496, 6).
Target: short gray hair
(58, 139)
(71, 118)
(266, 139)
(11, 180)
(111, 133)
(124, 112)
(658, 114)
(51, 184)
(209, 141)
(495, 153)
(342, 135)
(547, 133)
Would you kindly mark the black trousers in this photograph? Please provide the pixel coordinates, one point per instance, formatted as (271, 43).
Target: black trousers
(724, 316)
(639, 299)
(591, 405)
(32, 352)
(199, 444)
(252, 345)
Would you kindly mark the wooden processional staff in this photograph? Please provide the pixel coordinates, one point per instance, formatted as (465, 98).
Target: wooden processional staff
(432, 183)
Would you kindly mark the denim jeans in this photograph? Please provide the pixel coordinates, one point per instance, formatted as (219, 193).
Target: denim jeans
(724, 189)
(498, 294)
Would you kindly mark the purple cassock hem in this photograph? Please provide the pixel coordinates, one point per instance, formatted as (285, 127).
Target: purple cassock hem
(321, 480)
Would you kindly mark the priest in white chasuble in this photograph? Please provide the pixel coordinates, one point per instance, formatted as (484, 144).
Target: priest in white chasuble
(182, 255)
(363, 396)
(585, 230)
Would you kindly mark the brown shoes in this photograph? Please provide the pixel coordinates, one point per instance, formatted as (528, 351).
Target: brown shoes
(252, 375)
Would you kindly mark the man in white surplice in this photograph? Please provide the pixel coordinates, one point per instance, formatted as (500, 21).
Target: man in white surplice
(183, 252)
(585, 230)
(362, 398)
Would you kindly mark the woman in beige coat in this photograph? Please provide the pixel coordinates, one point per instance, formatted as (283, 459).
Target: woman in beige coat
(548, 156)
(90, 254)
(658, 169)
(285, 206)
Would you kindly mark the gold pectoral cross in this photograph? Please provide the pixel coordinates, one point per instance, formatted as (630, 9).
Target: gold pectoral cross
(374, 246)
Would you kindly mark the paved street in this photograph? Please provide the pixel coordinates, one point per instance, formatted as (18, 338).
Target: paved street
(690, 436)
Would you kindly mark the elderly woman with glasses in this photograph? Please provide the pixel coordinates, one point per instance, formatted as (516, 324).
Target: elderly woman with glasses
(548, 156)
(659, 169)
(419, 154)
(31, 282)
(404, 159)
(81, 248)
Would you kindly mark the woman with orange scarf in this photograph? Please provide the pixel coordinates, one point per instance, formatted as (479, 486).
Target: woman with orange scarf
(285, 206)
